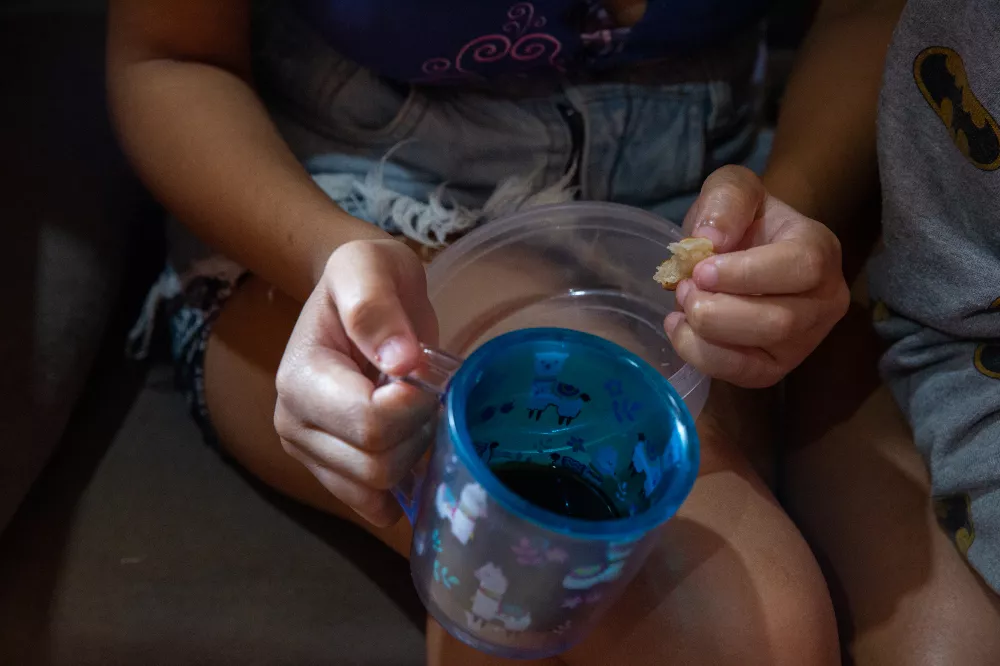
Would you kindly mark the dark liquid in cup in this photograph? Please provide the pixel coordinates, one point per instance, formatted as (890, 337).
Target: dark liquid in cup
(556, 489)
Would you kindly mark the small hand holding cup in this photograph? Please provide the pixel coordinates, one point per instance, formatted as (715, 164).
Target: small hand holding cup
(364, 317)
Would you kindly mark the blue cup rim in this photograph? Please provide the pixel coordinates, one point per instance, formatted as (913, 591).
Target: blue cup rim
(621, 529)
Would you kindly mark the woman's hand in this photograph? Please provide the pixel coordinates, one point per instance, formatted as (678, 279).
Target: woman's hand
(365, 316)
(755, 311)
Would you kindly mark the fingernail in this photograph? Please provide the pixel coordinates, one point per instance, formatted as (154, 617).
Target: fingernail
(391, 354)
(683, 289)
(714, 234)
(706, 274)
(673, 321)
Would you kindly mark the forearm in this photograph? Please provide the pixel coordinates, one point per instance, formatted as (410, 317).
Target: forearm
(204, 144)
(824, 161)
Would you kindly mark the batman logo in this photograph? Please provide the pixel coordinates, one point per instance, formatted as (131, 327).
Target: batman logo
(954, 515)
(940, 75)
(987, 357)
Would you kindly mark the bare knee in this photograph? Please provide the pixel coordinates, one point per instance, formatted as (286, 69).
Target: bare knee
(772, 580)
(801, 625)
(731, 581)
(774, 605)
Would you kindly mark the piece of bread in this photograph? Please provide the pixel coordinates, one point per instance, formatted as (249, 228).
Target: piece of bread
(687, 254)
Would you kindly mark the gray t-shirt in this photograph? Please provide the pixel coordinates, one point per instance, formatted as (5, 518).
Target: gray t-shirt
(937, 282)
(939, 153)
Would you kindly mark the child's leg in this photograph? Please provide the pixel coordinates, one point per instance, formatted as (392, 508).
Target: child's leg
(861, 493)
(731, 582)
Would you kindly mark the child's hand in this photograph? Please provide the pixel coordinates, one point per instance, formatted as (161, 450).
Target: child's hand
(369, 306)
(754, 312)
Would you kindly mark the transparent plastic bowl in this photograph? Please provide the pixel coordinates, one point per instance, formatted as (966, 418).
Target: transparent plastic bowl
(582, 266)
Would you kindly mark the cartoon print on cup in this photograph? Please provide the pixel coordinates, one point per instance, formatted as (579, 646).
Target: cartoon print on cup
(462, 514)
(622, 407)
(547, 391)
(653, 468)
(563, 628)
(443, 576)
(584, 578)
(485, 450)
(580, 469)
(509, 456)
(572, 602)
(536, 552)
(527, 554)
(544, 445)
(605, 460)
(625, 410)
(419, 542)
(490, 411)
(487, 603)
(556, 555)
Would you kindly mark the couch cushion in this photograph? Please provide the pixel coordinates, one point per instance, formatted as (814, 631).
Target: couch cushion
(167, 555)
(66, 200)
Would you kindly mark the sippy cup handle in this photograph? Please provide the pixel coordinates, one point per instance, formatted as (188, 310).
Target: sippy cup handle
(432, 376)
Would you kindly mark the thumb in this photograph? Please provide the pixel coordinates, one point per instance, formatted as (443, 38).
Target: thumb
(731, 199)
(365, 287)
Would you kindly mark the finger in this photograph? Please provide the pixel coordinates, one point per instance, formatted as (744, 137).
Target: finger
(785, 267)
(325, 390)
(732, 199)
(378, 507)
(378, 470)
(366, 282)
(318, 326)
(748, 367)
(746, 321)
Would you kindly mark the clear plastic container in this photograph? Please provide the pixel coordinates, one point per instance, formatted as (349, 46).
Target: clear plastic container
(581, 266)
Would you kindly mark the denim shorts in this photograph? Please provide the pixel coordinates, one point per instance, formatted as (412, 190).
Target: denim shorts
(430, 164)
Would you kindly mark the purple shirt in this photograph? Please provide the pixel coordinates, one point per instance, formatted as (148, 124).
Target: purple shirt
(439, 41)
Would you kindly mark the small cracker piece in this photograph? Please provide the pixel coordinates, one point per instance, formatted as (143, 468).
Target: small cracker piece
(687, 254)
